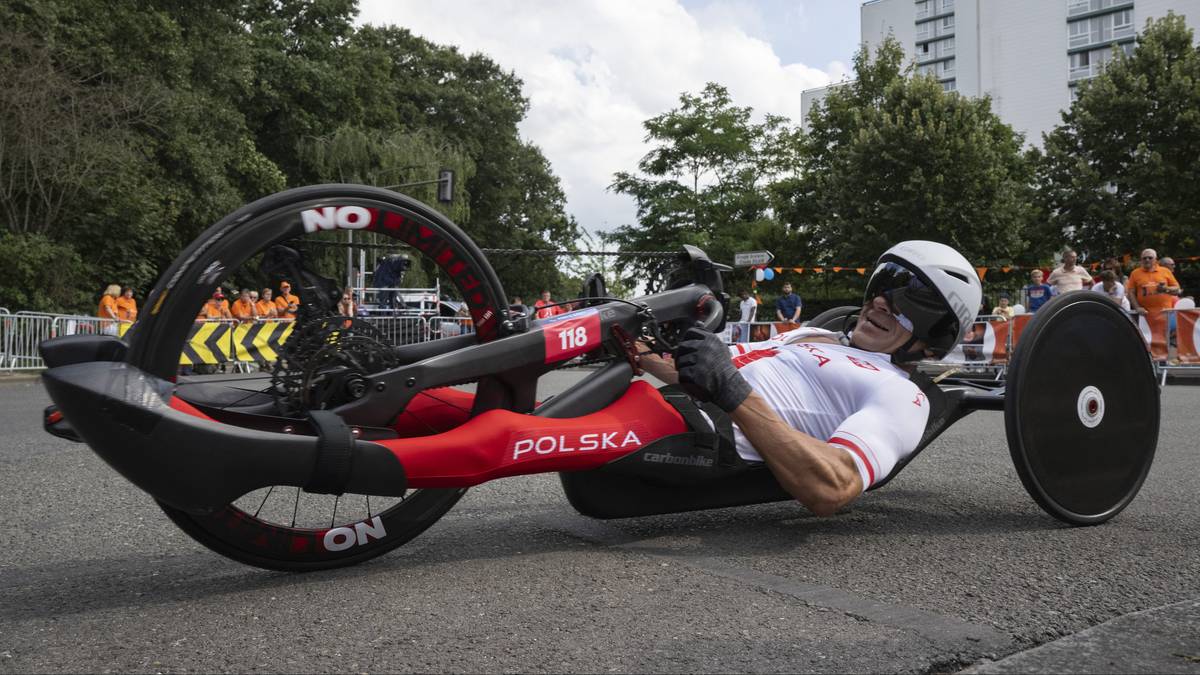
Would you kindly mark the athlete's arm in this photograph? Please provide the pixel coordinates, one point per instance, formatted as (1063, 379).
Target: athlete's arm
(656, 365)
(820, 476)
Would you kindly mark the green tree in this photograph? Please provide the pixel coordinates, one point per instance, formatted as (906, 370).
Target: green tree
(703, 181)
(1120, 173)
(890, 157)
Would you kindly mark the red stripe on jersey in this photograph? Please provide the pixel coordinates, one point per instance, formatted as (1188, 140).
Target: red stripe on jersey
(849, 445)
(739, 361)
(741, 349)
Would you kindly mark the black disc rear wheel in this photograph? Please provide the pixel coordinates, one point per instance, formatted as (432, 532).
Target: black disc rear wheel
(283, 527)
(1081, 409)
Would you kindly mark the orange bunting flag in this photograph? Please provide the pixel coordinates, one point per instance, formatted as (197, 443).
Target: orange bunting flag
(818, 270)
(778, 270)
(1095, 266)
(860, 270)
(798, 270)
(1006, 268)
(981, 271)
(837, 269)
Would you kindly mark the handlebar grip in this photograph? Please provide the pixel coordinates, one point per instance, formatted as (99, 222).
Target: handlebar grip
(712, 314)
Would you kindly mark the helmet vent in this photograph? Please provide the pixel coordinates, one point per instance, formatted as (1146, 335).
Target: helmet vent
(956, 275)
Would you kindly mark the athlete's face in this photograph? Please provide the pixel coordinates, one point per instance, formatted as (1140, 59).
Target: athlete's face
(878, 330)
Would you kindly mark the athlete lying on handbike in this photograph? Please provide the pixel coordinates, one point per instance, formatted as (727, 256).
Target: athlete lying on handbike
(831, 416)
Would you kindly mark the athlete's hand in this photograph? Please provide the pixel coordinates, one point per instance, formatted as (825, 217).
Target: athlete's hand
(706, 372)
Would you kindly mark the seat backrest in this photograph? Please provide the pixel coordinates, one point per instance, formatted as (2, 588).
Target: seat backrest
(945, 408)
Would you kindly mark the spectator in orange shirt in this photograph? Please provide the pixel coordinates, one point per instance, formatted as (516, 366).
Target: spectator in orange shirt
(541, 311)
(126, 306)
(286, 304)
(215, 309)
(266, 306)
(108, 309)
(243, 307)
(1151, 288)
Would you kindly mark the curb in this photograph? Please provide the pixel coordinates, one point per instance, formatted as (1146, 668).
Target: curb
(13, 378)
(1156, 640)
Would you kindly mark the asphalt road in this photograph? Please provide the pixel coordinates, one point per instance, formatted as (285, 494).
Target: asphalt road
(950, 566)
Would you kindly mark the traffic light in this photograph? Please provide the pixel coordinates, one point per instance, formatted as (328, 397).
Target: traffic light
(445, 192)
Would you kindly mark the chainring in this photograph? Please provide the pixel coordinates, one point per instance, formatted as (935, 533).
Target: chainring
(328, 362)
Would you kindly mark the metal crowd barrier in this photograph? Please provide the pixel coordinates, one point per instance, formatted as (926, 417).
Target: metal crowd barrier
(990, 342)
(450, 326)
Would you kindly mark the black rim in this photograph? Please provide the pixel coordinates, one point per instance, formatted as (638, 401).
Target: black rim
(1082, 409)
(257, 528)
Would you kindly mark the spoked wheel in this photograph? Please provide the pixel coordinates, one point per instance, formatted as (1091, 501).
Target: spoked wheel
(295, 235)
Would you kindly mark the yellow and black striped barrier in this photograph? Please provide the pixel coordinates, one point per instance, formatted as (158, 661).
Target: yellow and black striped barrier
(214, 342)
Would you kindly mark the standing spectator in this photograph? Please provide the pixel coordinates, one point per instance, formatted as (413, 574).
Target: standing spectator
(127, 308)
(1068, 276)
(517, 304)
(748, 307)
(1114, 265)
(541, 309)
(1151, 288)
(1112, 288)
(225, 299)
(1037, 293)
(215, 309)
(286, 304)
(243, 307)
(1168, 262)
(788, 306)
(108, 309)
(266, 306)
(345, 306)
(1003, 309)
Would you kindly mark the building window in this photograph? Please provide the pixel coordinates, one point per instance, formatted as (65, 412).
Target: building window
(927, 69)
(947, 5)
(923, 30)
(947, 22)
(1079, 33)
(1122, 24)
(923, 9)
(1081, 66)
(947, 47)
(946, 68)
(1078, 7)
(949, 85)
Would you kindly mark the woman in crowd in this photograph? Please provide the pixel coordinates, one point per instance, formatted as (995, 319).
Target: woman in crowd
(266, 306)
(127, 308)
(346, 305)
(108, 309)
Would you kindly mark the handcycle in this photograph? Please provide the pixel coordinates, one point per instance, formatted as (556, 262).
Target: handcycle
(356, 445)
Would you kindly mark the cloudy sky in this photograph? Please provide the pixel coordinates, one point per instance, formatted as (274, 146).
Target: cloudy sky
(594, 70)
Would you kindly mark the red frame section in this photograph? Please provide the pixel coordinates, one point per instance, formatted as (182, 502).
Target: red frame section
(501, 443)
(462, 452)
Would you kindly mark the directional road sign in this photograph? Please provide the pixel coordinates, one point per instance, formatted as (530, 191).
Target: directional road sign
(752, 258)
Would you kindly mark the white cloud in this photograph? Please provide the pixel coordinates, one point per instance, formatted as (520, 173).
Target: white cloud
(594, 70)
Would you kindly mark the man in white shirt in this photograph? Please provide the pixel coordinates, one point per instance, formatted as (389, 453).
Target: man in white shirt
(1069, 276)
(748, 306)
(832, 416)
(1112, 288)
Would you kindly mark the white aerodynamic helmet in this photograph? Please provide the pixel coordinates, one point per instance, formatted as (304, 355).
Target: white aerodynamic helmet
(933, 291)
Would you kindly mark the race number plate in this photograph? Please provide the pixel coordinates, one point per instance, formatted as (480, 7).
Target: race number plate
(572, 334)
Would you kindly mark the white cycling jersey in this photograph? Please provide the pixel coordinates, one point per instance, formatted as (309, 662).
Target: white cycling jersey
(854, 399)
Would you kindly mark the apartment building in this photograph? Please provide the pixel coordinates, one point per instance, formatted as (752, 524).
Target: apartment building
(1028, 55)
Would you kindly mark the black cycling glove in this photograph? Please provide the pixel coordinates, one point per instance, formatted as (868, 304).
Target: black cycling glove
(706, 372)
